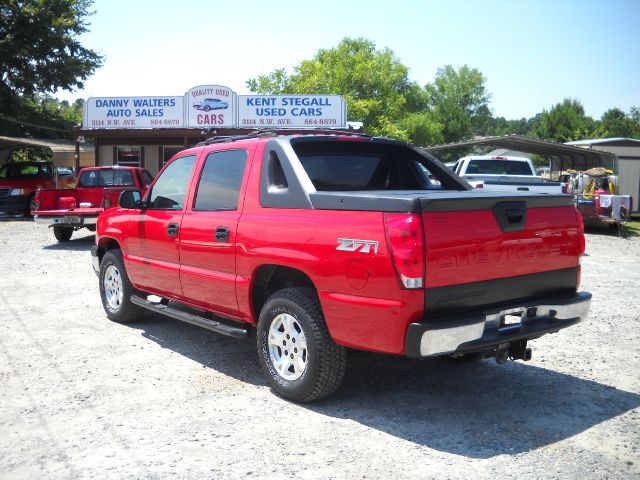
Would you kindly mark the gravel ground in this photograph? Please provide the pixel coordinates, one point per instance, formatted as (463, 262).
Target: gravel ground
(83, 397)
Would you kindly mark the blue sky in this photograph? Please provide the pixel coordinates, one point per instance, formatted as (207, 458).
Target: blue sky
(533, 53)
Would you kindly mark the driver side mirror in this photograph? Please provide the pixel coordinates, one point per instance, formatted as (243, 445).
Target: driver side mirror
(130, 199)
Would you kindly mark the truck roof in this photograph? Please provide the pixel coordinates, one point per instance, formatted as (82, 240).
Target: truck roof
(499, 157)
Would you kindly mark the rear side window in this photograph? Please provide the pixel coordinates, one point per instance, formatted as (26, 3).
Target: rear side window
(170, 189)
(220, 181)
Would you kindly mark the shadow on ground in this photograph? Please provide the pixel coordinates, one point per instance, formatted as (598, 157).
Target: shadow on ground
(80, 244)
(14, 218)
(624, 231)
(476, 410)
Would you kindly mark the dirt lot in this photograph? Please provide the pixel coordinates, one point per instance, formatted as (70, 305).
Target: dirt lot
(81, 396)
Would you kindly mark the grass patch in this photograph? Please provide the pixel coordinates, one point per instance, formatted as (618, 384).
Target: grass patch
(633, 227)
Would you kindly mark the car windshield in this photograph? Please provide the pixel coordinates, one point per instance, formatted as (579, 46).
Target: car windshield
(498, 167)
(25, 171)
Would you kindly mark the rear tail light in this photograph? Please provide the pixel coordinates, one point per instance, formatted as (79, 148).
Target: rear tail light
(565, 188)
(581, 247)
(405, 238)
(36, 201)
(479, 185)
(581, 240)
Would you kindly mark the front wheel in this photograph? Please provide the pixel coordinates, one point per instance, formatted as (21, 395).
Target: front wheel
(116, 289)
(63, 234)
(295, 350)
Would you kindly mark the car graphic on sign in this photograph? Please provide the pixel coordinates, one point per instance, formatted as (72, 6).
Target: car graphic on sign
(211, 104)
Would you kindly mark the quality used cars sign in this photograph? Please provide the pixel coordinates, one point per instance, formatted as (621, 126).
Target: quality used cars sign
(210, 106)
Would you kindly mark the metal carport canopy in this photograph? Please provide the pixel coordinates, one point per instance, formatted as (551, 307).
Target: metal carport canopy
(561, 156)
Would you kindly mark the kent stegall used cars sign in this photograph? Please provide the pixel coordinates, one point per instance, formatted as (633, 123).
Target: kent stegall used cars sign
(291, 111)
(209, 106)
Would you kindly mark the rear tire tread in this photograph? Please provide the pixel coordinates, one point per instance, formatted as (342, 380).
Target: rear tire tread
(331, 357)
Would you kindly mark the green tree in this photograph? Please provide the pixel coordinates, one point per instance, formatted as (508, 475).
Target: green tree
(374, 83)
(40, 52)
(566, 121)
(459, 101)
(43, 116)
(615, 123)
(422, 129)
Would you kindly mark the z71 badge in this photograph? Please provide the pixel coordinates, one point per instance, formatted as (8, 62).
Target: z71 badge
(353, 245)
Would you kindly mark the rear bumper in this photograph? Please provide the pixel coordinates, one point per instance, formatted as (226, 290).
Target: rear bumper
(70, 220)
(484, 329)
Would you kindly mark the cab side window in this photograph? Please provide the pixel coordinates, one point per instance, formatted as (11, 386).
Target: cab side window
(170, 190)
(220, 180)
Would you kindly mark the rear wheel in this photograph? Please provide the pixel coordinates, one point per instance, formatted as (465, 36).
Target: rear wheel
(63, 234)
(295, 350)
(116, 289)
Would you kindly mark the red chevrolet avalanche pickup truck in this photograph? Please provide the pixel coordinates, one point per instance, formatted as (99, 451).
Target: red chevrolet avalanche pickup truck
(332, 241)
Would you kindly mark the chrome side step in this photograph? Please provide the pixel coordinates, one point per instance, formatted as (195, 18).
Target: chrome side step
(223, 328)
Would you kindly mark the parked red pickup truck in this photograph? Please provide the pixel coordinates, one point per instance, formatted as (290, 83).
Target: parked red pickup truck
(20, 180)
(97, 189)
(329, 241)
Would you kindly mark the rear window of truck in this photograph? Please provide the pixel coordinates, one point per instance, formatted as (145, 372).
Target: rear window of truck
(104, 178)
(361, 166)
(498, 167)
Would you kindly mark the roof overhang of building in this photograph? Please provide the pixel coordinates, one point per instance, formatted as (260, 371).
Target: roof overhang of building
(561, 156)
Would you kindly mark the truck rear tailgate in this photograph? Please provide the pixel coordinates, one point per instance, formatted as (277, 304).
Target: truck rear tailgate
(486, 247)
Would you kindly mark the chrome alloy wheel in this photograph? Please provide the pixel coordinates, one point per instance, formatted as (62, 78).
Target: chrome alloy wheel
(113, 287)
(287, 347)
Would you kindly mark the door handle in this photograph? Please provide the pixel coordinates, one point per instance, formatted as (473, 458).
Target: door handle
(172, 229)
(222, 234)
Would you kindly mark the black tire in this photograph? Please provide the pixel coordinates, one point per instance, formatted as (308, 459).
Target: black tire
(63, 234)
(122, 311)
(325, 361)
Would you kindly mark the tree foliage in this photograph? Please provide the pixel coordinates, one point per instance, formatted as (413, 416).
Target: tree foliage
(39, 49)
(459, 101)
(454, 107)
(374, 83)
(564, 122)
(39, 54)
(42, 116)
(615, 123)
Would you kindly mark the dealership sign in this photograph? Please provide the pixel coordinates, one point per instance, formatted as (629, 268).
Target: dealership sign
(291, 111)
(133, 112)
(211, 106)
